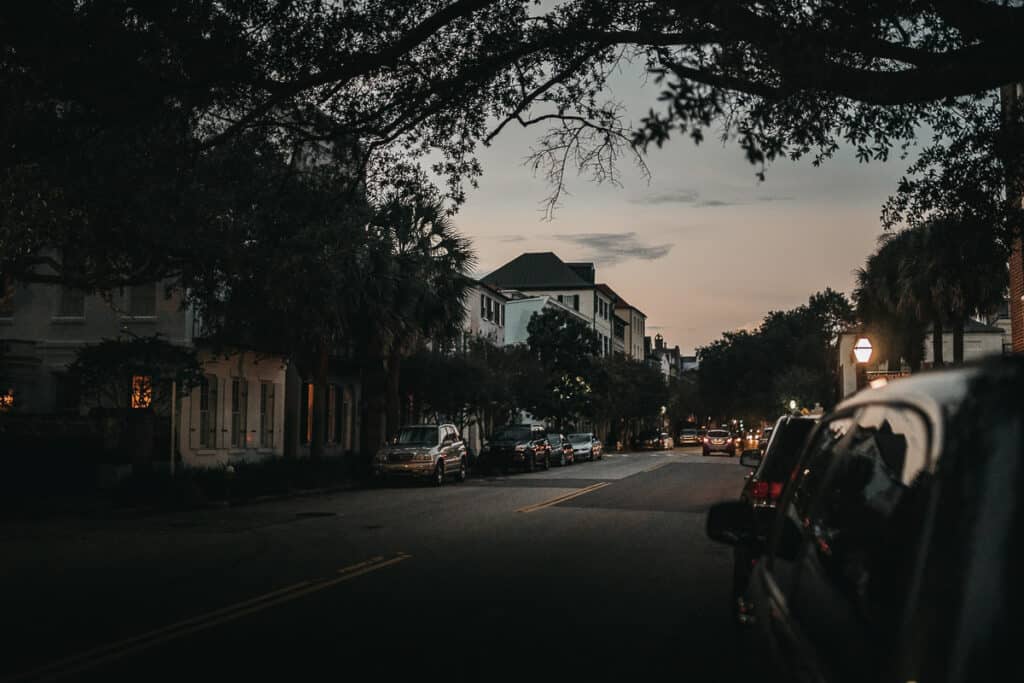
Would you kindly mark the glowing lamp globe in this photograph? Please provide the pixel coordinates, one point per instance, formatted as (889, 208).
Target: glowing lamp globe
(862, 350)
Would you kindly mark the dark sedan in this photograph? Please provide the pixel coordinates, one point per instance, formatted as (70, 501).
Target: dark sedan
(561, 450)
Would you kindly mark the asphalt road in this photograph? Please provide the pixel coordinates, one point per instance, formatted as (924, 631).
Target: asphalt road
(592, 569)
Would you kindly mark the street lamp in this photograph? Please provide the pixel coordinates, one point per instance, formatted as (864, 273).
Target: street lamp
(792, 404)
(862, 350)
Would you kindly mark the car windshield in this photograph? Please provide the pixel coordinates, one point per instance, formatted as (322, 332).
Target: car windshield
(579, 438)
(513, 434)
(784, 450)
(555, 438)
(417, 436)
(718, 433)
(689, 432)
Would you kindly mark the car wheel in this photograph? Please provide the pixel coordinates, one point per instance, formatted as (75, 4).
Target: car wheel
(546, 462)
(531, 464)
(439, 474)
(561, 460)
(462, 470)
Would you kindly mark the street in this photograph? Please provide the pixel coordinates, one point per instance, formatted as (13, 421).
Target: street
(591, 568)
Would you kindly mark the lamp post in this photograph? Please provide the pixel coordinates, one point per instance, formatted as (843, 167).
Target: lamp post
(792, 405)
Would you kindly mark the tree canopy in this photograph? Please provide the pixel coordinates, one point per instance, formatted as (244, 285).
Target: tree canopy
(107, 151)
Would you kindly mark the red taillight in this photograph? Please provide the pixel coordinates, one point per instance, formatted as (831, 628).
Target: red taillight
(766, 491)
(707, 440)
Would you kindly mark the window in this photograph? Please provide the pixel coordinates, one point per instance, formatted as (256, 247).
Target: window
(576, 301)
(72, 303)
(238, 422)
(208, 412)
(332, 413)
(306, 410)
(346, 416)
(502, 321)
(490, 309)
(483, 307)
(266, 415)
(142, 300)
(868, 523)
(142, 391)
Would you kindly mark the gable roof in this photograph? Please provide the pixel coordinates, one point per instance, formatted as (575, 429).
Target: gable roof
(536, 270)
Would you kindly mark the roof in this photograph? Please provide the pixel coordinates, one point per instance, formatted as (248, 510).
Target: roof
(624, 304)
(491, 289)
(536, 270)
(608, 292)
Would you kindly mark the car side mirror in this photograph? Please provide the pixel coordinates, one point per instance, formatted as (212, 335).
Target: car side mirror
(751, 458)
(731, 522)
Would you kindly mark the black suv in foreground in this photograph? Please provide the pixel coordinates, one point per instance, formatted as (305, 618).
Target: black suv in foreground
(762, 489)
(520, 446)
(895, 552)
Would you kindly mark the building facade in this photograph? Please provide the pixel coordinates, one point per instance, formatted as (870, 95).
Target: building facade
(570, 284)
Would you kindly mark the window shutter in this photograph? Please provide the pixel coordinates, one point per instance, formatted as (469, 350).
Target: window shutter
(193, 418)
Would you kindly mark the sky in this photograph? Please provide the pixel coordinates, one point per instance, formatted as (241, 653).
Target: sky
(701, 248)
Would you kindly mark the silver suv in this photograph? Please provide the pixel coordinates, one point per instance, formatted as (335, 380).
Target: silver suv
(434, 452)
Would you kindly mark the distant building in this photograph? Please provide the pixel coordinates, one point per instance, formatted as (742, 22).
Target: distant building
(635, 329)
(667, 360)
(571, 284)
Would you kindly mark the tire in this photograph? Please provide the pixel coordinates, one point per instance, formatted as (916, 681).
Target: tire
(462, 471)
(546, 462)
(561, 460)
(590, 456)
(531, 464)
(439, 474)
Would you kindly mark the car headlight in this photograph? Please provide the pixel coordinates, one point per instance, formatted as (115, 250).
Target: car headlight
(520, 448)
(422, 457)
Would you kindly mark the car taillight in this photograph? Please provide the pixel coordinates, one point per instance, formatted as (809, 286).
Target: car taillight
(707, 440)
(766, 490)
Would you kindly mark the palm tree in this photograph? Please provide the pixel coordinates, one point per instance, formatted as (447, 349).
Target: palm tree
(418, 262)
(952, 269)
(898, 334)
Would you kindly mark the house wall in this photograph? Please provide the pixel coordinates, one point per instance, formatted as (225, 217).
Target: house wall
(477, 325)
(976, 346)
(215, 448)
(41, 343)
(348, 398)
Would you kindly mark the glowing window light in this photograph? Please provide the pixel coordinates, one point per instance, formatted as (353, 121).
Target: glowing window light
(142, 391)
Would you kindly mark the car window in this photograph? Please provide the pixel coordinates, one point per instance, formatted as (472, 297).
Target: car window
(512, 434)
(808, 478)
(718, 433)
(417, 436)
(782, 453)
(867, 521)
(452, 434)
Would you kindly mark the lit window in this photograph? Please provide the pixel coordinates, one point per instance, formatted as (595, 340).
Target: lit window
(142, 391)
(6, 401)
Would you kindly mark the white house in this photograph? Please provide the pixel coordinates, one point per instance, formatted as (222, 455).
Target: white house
(250, 405)
(570, 284)
(520, 308)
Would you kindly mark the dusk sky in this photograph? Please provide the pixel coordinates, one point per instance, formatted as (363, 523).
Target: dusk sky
(704, 247)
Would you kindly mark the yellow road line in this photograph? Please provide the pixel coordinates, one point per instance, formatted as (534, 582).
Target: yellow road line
(563, 498)
(107, 653)
(657, 467)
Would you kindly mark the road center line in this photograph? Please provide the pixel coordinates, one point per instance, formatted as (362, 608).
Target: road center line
(123, 648)
(563, 498)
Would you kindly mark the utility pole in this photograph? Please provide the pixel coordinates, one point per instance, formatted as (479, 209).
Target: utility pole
(1011, 97)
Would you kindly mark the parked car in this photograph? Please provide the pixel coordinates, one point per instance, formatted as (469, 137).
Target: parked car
(586, 446)
(894, 554)
(689, 437)
(719, 441)
(562, 453)
(762, 489)
(521, 446)
(653, 440)
(434, 452)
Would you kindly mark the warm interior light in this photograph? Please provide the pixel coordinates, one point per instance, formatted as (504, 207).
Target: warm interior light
(878, 382)
(142, 391)
(862, 350)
